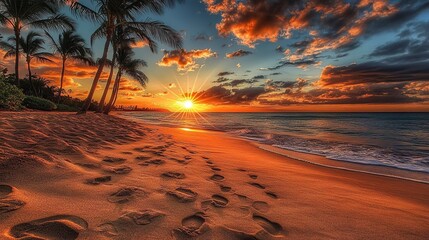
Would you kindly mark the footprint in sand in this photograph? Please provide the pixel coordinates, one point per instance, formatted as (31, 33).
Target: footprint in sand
(175, 175)
(8, 205)
(125, 195)
(65, 227)
(114, 160)
(224, 188)
(204, 157)
(271, 227)
(209, 162)
(119, 170)
(217, 177)
(257, 185)
(216, 169)
(183, 195)
(155, 162)
(192, 226)
(188, 157)
(143, 217)
(143, 158)
(253, 176)
(127, 153)
(217, 200)
(5, 190)
(99, 180)
(261, 206)
(271, 194)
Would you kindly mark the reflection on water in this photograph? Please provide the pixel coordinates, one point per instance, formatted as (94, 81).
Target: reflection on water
(392, 139)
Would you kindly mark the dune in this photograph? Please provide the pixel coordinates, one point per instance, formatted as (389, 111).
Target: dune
(66, 176)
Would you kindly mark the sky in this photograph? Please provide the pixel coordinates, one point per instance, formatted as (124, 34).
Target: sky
(276, 55)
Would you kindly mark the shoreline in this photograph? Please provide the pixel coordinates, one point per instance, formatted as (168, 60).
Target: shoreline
(311, 158)
(105, 177)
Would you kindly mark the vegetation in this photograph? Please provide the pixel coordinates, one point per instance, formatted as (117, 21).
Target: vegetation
(70, 46)
(11, 96)
(122, 13)
(19, 14)
(31, 48)
(37, 103)
(118, 25)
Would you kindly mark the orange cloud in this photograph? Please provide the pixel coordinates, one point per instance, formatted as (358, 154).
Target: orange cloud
(185, 60)
(268, 20)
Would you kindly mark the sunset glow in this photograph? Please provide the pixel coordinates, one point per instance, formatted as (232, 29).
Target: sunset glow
(188, 104)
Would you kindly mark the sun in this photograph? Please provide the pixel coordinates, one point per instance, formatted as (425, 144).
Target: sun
(188, 104)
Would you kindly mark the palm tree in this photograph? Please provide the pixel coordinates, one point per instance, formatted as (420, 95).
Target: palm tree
(129, 66)
(113, 13)
(121, 38)
(31, 48)
(18, 14)
(70, 46)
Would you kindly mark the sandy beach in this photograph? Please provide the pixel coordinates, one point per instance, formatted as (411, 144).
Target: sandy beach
(67, 176)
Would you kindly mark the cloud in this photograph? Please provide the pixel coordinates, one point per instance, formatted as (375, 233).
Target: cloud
(221, 74)
(259, 77)
(203, 37)
(239, 82)
(374, 72)
(185, 60)
(330, 24)
(391, 48)
(239, 53)
(299, 63)
(219, 95)
(221, 80)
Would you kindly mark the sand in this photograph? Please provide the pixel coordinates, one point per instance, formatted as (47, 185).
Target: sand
(66, 176)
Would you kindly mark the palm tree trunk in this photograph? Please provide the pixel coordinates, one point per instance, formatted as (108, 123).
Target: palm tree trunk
(114, 92)
(97, 75)
(106, 89)
(30, 79)
(17, 34)
(61, 80)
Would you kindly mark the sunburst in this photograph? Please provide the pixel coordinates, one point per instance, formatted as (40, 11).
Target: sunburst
(185, 100)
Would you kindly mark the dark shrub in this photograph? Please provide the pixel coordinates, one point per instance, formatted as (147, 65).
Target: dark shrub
(66, 108)
(38, 103)
(11, 96)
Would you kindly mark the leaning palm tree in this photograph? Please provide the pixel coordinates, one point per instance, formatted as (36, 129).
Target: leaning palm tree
(70, 46)
(18, 14)
(122, 38)
(113, 13)
(31, 48)
(129, 66)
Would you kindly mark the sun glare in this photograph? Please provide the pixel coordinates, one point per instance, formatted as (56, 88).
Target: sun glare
(188, 104)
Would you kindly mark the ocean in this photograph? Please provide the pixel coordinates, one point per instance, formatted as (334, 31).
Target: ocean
(399, 140)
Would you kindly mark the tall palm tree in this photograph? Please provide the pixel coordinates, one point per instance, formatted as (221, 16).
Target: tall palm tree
(70, 46)
(113, 13)
(18, 14)
(31, 48)
(129, 66)
(121, 38)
